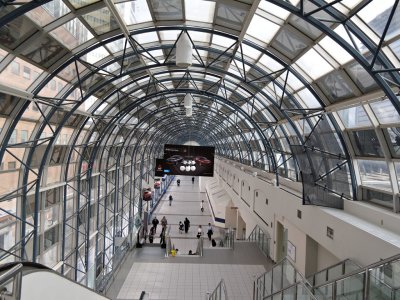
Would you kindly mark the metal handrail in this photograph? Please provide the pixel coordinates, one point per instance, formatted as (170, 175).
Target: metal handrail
(312, 278)
(297, 278)
(15, 273)
(291, 286)
(363, 269)
(220, 286)
(254, 236)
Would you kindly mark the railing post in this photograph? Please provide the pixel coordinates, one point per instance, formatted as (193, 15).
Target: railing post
(254, 290)
(366, 284)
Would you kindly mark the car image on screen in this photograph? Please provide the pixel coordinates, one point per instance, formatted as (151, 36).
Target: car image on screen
(202, 161)
(174, 159)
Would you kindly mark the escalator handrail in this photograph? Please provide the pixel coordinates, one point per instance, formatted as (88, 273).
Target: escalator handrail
(8, 266)
(36, 267)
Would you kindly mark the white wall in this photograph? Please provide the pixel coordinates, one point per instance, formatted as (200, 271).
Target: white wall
(363, 240)
(47, 285)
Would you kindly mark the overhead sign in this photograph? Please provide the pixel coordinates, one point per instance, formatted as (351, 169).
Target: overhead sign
(186, 160)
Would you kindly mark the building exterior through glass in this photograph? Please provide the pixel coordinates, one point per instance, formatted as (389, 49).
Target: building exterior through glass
(89, 93)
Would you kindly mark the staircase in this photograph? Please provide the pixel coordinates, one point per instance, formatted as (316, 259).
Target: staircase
(345, 281)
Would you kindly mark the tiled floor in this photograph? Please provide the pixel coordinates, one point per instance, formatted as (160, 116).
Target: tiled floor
(188, 277)
(188, 281)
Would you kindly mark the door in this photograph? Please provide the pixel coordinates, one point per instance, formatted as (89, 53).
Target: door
(281, 242)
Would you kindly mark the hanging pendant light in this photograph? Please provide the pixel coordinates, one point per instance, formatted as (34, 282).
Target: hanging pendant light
(184, 49)
(188, 101)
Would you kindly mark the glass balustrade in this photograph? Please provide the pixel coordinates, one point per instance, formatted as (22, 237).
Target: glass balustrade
(379, 281)
(261, 238)
(219, 292)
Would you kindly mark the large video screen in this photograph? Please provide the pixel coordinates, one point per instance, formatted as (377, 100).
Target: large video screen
(186, 160)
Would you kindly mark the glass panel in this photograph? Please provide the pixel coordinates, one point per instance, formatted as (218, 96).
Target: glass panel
(265, 36)
(365, 143)
(101, 20)
(374, 173)
(385, 112)
(380, 198)
(335, 86)
(72, 34)
(361, 77)
(392, 135)
(15, 32)
(82, 3)
(290, 42)
(199, 10)
(352, 287)
(167, 9)
(336, 51)
(44, 50)
(314, 64)
(277, 278)
(324, 292)
(354, 117)
(134, 12)
(48, 12)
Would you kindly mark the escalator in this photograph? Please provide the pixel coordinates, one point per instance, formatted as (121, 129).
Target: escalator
(32, 281)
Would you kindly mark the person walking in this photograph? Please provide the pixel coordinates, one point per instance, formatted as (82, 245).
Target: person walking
(202, 205)
(181, 227)
(199, 232)
(193, 180)
(187, 225)
(178, 182)
(155, 223)
(170, 200)
(164, 222)
(209, 231)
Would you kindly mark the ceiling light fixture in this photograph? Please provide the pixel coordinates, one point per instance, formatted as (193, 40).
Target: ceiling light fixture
(184, 50)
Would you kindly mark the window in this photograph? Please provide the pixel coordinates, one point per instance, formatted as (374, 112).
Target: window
(53, 85)
(12, 165)
(35, 75)
(2, 167)
(13, 137)
(51, 237)
(15, 68)
(26, 73)
(59, 86)
(24, 136)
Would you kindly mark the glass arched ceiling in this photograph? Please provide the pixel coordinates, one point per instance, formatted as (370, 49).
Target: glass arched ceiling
(88, 87)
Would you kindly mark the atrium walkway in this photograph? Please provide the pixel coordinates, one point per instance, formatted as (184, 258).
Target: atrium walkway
(188, 277)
